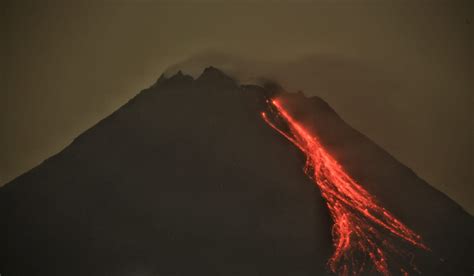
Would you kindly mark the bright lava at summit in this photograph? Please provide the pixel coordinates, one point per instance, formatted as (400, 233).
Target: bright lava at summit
(363, 231)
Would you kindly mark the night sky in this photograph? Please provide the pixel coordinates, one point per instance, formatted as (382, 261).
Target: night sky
(401, 73)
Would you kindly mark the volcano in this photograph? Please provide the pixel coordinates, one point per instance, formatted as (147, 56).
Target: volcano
(187, 178)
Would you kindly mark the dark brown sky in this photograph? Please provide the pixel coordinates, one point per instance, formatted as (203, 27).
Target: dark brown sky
(399, 72)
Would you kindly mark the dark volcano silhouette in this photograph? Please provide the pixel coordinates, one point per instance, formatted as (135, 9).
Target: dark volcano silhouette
(187, 179)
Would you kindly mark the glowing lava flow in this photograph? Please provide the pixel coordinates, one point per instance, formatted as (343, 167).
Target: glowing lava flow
(363, 230)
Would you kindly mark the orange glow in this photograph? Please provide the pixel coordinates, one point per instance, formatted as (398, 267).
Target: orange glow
(362, 230)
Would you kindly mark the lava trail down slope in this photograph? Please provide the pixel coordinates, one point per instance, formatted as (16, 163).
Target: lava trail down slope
(187, 179)
(356, 214)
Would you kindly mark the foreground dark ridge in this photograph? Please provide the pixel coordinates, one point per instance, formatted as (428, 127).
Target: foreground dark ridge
(186, 179)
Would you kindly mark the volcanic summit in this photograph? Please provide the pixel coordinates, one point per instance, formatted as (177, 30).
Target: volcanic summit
(188, 178)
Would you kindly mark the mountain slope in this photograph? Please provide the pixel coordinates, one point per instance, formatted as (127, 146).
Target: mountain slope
(186, 179)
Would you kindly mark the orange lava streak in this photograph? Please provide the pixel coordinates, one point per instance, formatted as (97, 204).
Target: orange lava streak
(362, 227)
